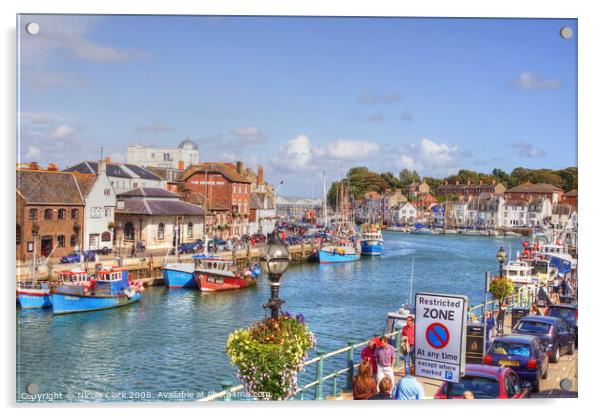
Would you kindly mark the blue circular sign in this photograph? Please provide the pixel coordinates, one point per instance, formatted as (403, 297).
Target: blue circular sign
(437, 335)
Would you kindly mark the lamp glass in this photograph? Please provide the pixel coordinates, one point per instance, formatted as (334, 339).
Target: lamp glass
(501, 255)
(276, 259)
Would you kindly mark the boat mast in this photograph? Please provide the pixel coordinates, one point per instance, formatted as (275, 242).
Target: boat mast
(325, 206)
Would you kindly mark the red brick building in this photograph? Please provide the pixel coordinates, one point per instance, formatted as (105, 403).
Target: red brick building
(570, 198)
(526, 191)
(50, 211)
(222, 184)
(466, 190)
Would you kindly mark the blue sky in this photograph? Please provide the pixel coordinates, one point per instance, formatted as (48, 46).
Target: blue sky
(302, 95)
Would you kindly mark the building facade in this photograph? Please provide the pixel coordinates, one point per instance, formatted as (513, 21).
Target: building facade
(527, 191)
(185, 155)
(404, 213)
(49, 214)
(466, 190)
(157, 218)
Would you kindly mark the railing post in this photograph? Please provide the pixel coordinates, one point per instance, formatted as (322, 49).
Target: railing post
(319, 374)
(398, 347)
(227, 385)
(350, 366)
(334, 387)
(303, 393)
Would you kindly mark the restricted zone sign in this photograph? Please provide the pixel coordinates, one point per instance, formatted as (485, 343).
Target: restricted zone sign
(440, 336)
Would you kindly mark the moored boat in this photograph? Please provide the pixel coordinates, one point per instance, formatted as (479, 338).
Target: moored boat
(33, 294)
(82, 292)
(344, 252)
(178, 275)
(215, 274)
(371, 241)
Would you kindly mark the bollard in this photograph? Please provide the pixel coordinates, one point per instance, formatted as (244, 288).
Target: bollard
(227, 385)
(398, 347)
(350, 366)
(334, 387)
(319, 374)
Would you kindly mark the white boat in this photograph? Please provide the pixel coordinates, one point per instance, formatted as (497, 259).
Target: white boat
(519, 272)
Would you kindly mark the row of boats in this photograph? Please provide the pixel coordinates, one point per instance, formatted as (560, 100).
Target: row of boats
(468, 231)
(347, 248)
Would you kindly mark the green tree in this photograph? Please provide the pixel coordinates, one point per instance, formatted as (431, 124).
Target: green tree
(569, 177)
(391, 180)
(406, 177)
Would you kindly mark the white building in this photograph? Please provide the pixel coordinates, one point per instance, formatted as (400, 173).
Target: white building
(539, 211)
(99, 211)
(155, 215)
(263, 213)
(185, 155)
(404, 213)
(515, 213)
(123, 176)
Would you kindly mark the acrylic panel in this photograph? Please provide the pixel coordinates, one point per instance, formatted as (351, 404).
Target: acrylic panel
(256, 208)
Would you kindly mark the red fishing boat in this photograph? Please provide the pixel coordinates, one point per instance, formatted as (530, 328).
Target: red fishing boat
(213, 274)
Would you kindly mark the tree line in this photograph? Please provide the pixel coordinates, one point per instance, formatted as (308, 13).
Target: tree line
(360, 180)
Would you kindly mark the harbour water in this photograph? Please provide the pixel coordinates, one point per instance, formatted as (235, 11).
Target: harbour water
(174, 340)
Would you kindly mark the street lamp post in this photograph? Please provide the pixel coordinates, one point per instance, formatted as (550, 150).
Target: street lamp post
(501, 257)
(275, 261)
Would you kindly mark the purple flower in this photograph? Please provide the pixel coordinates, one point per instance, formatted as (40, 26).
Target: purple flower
(299, 317)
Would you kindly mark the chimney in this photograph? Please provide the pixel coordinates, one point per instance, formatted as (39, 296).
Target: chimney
(240, 167)
(181, 165)
(52, 167)
(108, 159)
(34, 166)
(102, 166)
(260, 178)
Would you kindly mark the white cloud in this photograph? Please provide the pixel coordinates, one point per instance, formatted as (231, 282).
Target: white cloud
(33, 152)
(343, 149)
(295, 154)
(427, 157)
(370, 97)
(62, 132)
(528, 80)
(250, 134)
(527, 149)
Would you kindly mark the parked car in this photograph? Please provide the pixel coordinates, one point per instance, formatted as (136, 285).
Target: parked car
(569, 313)
(554, 333)
(77, 256)
(525, 354)
(486, 382)
(259, 238)
(221, 244)
(185, 248)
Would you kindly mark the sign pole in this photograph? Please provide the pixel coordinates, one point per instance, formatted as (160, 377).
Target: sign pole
(485, 290)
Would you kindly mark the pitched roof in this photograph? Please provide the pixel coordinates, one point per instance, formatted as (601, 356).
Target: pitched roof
(85, 183)
(529, 187)
(572, 192)
(156, 201)
(215, 167)
(199, 199)
(150, 192)
(45, 187)
(119, 170)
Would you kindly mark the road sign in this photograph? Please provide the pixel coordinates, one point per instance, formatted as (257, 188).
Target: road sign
(440, 336)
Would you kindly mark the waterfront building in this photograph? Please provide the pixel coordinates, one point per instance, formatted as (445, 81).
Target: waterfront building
(49, 209)
(468, 189)
(185, 155)
(404, 213)
(371, 208)
(123, 176)
(154, 216)
(456, 213)
(562, 214)
(438, 215)
(295, 207)
(526, 191)
(539, 211)
(416, 188)
(223, 184)
(263, 213)
(570, 198)
(515, 213)
(391, 199)
(99, 213)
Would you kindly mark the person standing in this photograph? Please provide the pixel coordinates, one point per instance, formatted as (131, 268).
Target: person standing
(368, 353)
(364, 385)
(408, 338)
(384, 390)
(385, 360)
(408, 388)
(489, 324)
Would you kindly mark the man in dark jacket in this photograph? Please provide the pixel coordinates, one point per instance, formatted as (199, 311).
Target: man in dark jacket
(384, 390)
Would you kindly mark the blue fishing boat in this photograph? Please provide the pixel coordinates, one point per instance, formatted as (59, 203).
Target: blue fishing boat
(33, 295)
(342, 253)
(178, 275)
(371, 241)
(107, 288)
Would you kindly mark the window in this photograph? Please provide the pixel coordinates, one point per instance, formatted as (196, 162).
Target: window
(74, 214)
(161, 232)
(95, 212)
(18, 234)
(30, 246)
(94, 241)
(73, 240)
(107, 192)
(48, 214)
(62, 214)
(60, 241)
(107, 212)
(33, 214)
(166, 157)
(513, 385)
(106, 236)
(189, 230)
(128, 231)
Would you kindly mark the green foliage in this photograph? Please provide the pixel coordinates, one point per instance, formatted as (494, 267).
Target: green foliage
(501, 288)
(406, 177)
(269, 354)
(391, 180)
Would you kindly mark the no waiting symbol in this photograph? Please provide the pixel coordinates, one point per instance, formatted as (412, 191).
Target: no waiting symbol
(437, 335)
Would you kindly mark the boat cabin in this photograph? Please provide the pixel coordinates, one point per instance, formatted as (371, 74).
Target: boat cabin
(113, 274)
(74, 277)
(213, 263)
(519, 272)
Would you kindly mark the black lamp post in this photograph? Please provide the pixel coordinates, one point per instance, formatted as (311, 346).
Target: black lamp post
(501, 257)
(275, 261)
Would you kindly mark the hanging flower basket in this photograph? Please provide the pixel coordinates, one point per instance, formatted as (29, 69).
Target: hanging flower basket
(269, 354)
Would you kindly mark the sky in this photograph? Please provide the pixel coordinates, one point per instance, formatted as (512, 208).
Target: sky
(301, 95)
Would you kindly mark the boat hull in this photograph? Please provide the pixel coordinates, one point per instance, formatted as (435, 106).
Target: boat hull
(179, 275)
(213, 283)
(34, 299)
(372, 248)
(71, 303)
(328, 257)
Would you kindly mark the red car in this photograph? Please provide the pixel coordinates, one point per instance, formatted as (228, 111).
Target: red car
(486, 382)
